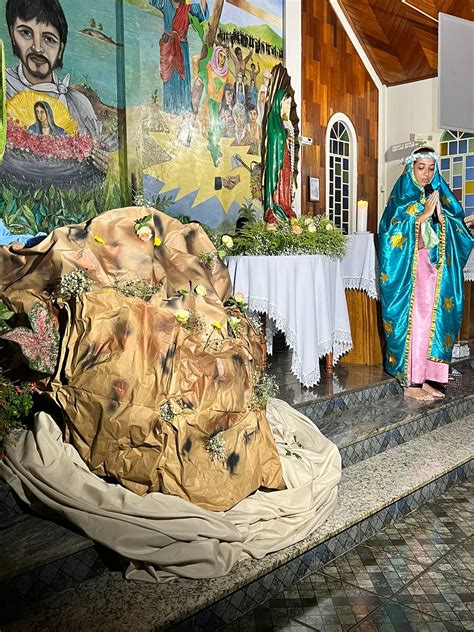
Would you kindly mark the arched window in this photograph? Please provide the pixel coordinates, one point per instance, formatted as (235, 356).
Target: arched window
(341, 172)
(457, 166)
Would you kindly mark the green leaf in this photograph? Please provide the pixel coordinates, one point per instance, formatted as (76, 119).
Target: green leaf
(28, 215)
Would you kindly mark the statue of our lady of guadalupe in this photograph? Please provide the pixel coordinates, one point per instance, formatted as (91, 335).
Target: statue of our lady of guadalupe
(279, 148)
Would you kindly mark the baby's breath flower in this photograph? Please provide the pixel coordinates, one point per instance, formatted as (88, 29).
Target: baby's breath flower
(216, 447)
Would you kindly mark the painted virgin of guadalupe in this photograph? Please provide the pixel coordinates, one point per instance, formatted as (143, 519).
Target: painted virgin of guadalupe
(44, 124)
(424, 246)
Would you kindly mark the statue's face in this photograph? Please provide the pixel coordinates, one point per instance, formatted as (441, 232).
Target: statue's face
(286, 107)
(221, 58)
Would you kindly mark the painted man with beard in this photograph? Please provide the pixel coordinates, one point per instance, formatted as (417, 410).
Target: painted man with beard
(38, 31)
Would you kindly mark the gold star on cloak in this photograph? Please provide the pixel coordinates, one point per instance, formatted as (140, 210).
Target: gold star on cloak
(448, 304)
(448, 341)
(391, 358)
(388, 327)
(412, 210)
(397, 241)
(445, 200)
(459, 229)
(384, 277)
(399, 377)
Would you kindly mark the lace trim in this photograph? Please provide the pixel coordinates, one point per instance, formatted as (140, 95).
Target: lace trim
(370, 286)
(339, 344)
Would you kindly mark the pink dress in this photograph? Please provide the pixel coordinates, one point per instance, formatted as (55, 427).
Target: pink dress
(419, 367)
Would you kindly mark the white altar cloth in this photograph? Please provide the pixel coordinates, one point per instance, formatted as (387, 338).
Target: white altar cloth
(469, 268)
(359, 266)
(303, 296)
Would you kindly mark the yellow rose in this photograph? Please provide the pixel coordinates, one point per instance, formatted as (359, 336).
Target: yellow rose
(227, 241)
(293, 221)
(182, 315)
(312, 228)
(329, 226)
(308, 221)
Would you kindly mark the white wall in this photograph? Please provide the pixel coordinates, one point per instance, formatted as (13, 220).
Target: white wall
(411, 108)
(293, 63)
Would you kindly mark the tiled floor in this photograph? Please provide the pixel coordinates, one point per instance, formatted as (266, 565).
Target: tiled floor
(416, 575)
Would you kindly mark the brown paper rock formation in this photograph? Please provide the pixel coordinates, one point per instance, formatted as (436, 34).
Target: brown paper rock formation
(155, 375)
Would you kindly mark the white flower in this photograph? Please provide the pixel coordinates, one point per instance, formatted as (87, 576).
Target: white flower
(182, 315)
(312, 227)
(308, 221)
(240, 299)
(329, 226)
(144, 233)
(234, 321)
(227, 241)
(200, 290)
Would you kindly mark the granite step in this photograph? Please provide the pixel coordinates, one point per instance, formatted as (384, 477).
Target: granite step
(372, 495)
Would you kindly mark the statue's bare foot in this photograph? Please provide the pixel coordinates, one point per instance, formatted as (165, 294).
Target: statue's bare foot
(433, 391)
(415, 392)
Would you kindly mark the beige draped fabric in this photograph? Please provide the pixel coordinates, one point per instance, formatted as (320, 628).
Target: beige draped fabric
(123, 358)
(164, 536)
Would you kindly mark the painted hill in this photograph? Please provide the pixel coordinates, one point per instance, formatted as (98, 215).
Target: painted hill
(262, 32)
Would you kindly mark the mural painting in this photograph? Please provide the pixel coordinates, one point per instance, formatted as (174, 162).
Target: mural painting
(164, 95)
(60, 163)
(201, 157)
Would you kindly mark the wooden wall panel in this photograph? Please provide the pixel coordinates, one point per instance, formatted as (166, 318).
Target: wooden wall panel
(334, 79)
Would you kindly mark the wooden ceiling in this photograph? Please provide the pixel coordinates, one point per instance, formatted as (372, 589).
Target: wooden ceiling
(401, 43)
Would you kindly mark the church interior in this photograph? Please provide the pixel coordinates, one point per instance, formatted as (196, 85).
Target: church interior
(236, 315)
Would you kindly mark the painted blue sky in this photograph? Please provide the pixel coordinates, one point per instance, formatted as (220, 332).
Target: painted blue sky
(240, 17)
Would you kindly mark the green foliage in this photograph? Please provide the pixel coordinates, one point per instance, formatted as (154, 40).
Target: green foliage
(265, 388)
(316, 236)
(92, 23)
(43, 210)
(5, 314)
(16, 403)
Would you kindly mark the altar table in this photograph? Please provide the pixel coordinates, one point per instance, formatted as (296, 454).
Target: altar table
(303, 297)
(360, 275)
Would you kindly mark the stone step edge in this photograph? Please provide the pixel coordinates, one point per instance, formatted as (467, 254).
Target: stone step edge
(402, 431)
(394, 387)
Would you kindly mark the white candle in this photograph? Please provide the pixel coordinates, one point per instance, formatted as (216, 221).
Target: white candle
(362, 208)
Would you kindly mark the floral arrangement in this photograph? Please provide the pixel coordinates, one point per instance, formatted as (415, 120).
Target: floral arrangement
(300, 236)
(265, 388)
(61, 147)
(16, 402)
(74, 284)
(138, 288)
(216, 447)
